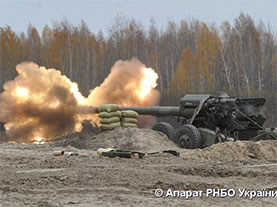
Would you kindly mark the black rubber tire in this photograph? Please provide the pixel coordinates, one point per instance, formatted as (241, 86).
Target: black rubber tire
(165, 128)
(188, 136)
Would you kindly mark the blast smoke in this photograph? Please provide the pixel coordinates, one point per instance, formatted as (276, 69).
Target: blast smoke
(38, 103)
(131, 84)
(43, 103)
(126, 86)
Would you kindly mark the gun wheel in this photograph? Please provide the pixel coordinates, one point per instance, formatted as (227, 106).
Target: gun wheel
(188, 136)
(165, 128)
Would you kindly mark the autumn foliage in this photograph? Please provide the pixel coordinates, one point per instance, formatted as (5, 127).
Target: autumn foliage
(189, 57)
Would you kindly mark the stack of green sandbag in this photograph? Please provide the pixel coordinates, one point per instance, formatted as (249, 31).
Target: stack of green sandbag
(109, 115)
(129, 118)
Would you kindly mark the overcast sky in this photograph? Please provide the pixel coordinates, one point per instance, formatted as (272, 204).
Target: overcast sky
(99, 14)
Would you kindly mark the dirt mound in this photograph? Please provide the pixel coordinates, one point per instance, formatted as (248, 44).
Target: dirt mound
(266, 149)
(32, 176)
(145, 140)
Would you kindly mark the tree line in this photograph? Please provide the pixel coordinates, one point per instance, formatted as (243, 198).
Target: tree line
(190, 56)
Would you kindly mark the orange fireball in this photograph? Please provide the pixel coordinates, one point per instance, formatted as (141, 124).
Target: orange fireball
(148, 82)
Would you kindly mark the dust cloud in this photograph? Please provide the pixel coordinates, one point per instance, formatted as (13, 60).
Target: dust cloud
(42, 103)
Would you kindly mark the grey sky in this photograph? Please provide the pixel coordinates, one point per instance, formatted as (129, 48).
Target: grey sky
(99, 14)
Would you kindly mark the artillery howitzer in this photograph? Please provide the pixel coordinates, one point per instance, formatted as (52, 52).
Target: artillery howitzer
(206, 119)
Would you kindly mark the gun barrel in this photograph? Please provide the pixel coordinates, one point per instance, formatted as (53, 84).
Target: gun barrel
(87, 110)
(155, 110)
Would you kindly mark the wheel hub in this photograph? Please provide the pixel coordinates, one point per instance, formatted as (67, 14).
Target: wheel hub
(185, 141)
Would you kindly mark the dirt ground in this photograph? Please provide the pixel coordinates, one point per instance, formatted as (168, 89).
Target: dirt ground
(31, 176)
